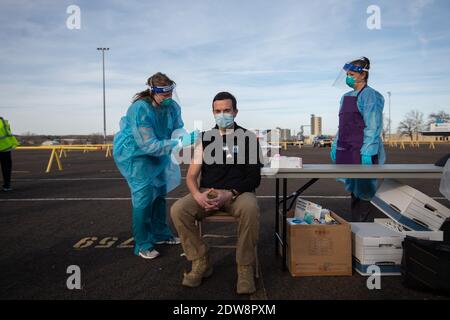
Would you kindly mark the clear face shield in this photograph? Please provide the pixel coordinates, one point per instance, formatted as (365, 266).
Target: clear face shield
(344, 80)
(165, 95)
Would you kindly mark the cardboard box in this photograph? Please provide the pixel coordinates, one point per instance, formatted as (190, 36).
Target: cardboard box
(319, 250)
(375, 244)
(385, 269)
(410, 207)
(426, 235)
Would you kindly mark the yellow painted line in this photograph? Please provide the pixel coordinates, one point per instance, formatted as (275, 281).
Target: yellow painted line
(103, 243)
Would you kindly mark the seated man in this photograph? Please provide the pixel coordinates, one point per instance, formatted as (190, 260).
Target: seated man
(228, 163)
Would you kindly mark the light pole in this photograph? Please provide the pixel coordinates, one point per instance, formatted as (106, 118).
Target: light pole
(389, 96)
(104, 102)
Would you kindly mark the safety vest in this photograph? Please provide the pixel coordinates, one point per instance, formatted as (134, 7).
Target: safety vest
(7, 140)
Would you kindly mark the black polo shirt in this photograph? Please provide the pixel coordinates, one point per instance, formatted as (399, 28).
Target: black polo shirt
(231, 161)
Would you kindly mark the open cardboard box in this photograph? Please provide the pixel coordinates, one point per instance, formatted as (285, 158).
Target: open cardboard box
(319, 250)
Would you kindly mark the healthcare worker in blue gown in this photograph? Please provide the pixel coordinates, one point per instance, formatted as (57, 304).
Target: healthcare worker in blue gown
(358, 140)
(143, 153)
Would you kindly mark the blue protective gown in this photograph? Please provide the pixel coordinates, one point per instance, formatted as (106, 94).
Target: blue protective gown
(143, 154)
(370, 104)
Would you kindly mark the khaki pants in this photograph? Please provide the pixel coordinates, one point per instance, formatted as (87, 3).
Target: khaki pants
(186, 210)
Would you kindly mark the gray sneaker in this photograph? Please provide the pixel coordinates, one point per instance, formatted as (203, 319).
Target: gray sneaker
(147, 254)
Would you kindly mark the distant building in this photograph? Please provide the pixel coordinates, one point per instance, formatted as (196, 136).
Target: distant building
(441, 127)
(69, 141)
(285, 134)
(439, 130)
(316, 125)
(50, 143)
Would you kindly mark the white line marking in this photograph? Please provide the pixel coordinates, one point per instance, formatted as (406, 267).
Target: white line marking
(65, 199)
(168, 198)
(76, 179)
(71, 179)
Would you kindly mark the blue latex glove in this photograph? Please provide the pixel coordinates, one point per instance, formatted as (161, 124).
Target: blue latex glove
(366, 159)
(333, 155)
(189, 138)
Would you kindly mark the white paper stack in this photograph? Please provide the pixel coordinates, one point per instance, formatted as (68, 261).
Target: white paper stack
(286, 162)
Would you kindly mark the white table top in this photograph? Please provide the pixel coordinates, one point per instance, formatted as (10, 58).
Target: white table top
(399, 171)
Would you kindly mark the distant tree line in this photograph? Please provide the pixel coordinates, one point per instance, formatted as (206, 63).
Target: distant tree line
(414, 122)
(31, 139)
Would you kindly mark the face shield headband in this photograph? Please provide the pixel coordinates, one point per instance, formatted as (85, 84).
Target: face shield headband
(354, 68)
(163, 89)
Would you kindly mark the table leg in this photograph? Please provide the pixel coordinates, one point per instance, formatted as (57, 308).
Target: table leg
(300, 191)
(283, 268)
(283, 237)
(277, 215)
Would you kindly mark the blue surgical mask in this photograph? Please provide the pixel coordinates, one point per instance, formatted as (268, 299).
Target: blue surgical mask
(224, 120)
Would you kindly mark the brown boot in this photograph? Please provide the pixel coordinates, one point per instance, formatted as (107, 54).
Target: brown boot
(246, 280)
(201, 268)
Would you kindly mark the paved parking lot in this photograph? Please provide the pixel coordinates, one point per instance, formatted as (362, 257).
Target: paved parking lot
(82, 216)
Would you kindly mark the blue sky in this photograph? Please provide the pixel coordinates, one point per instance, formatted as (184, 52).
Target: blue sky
(279, 58)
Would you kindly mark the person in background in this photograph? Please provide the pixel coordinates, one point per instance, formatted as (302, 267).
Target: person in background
(358, 140)
(7, 143)
(142, 151)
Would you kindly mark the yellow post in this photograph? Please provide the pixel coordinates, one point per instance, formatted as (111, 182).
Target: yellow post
(61, 152)
(108, 151)
(402, 145)
(50, 161)
(53, 155)
(59, 163)
(432, 145)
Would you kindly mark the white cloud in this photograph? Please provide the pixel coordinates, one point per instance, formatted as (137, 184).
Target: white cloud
(279, 59)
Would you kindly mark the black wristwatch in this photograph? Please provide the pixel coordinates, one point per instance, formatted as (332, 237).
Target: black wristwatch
(235, 194)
